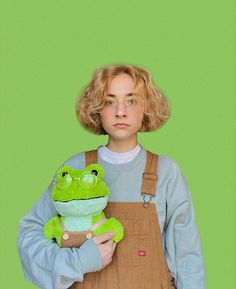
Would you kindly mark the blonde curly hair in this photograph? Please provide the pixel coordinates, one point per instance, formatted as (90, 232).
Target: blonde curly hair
(90, 103)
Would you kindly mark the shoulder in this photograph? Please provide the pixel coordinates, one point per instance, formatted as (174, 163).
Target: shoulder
(76, 161)
(167, 165)
(171, 175)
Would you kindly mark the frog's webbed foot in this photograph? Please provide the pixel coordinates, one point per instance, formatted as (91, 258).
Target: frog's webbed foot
(52, 229)
(111, 225)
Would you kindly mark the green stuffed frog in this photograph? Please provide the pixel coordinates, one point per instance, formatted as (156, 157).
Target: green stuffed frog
(80, 197)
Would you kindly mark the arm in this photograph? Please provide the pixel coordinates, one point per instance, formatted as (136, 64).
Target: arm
(44, 262)
(183, 246)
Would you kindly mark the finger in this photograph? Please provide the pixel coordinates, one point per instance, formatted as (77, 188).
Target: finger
(102, 238)
(113, 247)
(109, 243)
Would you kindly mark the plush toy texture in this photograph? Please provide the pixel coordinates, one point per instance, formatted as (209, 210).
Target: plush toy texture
(80, 196)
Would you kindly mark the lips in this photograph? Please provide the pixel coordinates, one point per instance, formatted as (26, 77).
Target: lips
(121, 125)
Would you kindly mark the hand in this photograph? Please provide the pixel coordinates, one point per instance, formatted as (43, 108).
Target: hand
(106, 247)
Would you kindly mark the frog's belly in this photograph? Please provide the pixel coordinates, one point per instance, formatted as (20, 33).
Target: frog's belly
(72, 223)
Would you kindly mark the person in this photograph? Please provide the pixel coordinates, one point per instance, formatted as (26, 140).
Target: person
(121, 101)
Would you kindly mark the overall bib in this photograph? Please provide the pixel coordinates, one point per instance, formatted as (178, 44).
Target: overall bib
(138, 261)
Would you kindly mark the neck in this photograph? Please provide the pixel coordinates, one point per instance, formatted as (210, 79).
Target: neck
(122, 146)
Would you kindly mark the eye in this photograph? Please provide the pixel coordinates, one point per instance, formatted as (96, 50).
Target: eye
(94, 172)
(64, 174)
(64, 181)
(131, 101)
(88, 180)
(109, 102)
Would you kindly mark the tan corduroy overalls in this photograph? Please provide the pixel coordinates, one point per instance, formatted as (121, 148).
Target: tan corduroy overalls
(138, 261)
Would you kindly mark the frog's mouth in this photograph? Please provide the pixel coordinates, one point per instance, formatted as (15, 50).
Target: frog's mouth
(80, 199)
(81, 207)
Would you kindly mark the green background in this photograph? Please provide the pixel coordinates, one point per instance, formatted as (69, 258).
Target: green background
(49, 50)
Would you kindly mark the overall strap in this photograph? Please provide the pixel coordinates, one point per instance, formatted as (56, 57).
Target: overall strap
(150, 175)
(149, 183)
(91, 157)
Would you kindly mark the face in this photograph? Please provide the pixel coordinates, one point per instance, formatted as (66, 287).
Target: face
(122, 113)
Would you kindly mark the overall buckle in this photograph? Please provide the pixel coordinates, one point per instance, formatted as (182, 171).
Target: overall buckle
(145, 201)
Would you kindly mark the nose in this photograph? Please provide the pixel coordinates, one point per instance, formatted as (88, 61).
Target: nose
(120, 110)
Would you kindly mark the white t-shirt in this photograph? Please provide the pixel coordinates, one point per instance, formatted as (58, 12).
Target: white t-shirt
(118, 158)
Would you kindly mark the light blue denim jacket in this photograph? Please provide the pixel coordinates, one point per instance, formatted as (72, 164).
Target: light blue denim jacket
(51, 267)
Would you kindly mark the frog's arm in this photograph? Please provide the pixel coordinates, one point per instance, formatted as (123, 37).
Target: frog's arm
(111, 225)
(52, 229)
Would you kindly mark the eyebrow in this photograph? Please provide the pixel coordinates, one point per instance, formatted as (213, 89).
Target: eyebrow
(128, 94)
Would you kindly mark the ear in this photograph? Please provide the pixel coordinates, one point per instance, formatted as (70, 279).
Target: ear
(96, 169)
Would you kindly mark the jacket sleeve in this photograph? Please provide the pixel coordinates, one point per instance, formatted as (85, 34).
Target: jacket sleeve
(183, 246)
(46, 264)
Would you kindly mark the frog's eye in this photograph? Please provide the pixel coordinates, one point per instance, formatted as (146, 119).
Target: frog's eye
(94, 172)
(63, 182)
(88, 180)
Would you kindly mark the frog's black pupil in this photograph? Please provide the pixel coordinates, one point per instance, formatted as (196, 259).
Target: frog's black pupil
(64, 173)
(94, 172)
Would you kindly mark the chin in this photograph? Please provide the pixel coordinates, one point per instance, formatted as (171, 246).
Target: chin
(122, 134)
